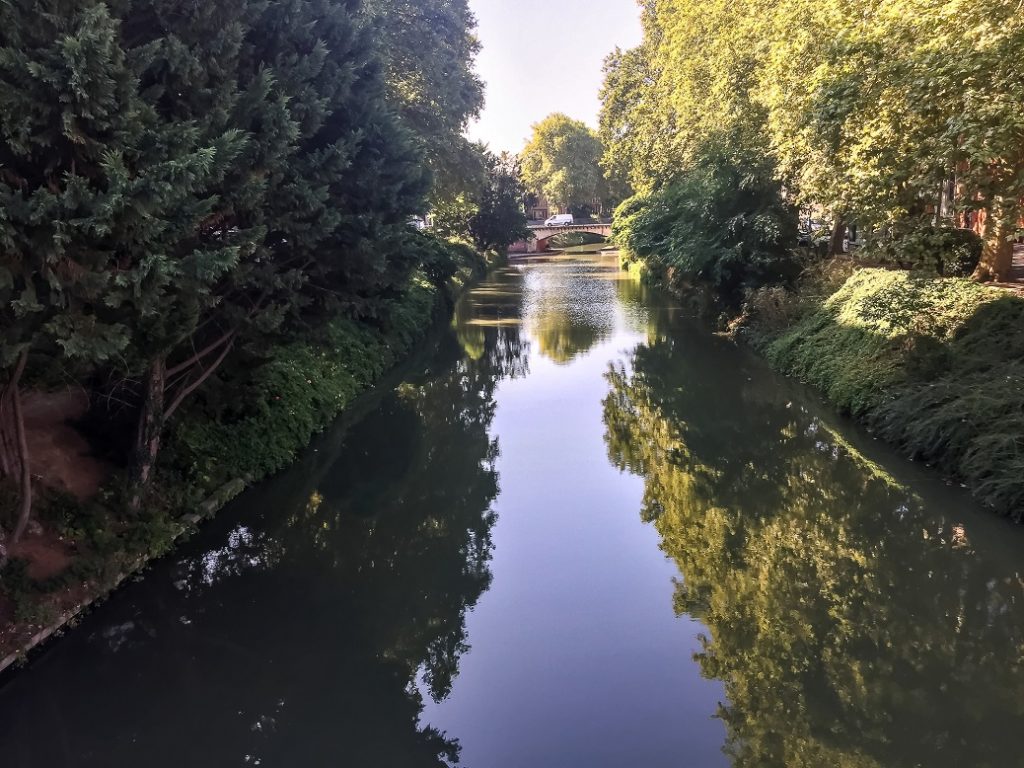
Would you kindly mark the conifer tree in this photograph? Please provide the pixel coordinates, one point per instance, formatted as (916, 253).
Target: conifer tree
(90, 193)
(323, 178)
(178, 179)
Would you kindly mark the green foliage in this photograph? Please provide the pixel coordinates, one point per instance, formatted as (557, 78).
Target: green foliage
(634, 135)
(428, 49)
(489, 212)
(720, 224)
(685, 88)
(933, 365)
(499, 219)
(450, 218)
(100, 193)
(561, 161)
(921, 246)
(439, 260)
(267, 416)
(871, 111)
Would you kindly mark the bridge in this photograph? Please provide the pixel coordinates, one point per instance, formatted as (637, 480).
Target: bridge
(541, 233)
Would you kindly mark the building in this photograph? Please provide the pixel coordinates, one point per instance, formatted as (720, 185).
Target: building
(538, 208)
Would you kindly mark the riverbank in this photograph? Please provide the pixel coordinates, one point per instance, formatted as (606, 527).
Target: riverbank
(933, 366)
(241, 431)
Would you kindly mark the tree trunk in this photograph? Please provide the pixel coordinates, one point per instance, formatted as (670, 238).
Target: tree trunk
(25, 479)
(158, 406)
(14, 454)
(8, 452)
(150, 429)
(8, 459)
(997, 254)
(835, 246)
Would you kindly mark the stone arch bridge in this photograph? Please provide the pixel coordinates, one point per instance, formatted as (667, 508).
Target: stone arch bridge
(540, 234)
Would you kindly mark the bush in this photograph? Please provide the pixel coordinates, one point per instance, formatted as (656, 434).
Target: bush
(440, 260)
(920, 246)
(935, 366)
(274, 409)
(253, 418)
(722, 224)
(771, 310)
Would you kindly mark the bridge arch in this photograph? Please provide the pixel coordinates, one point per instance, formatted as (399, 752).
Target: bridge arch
(541, 234)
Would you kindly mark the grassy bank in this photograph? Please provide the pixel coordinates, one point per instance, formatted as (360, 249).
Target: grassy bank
(245, 426)
(934, 366)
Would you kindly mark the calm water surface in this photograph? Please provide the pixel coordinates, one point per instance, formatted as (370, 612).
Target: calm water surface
(580, 532)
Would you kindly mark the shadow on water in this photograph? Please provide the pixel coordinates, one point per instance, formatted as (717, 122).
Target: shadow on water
(855, 618)
(301, 627)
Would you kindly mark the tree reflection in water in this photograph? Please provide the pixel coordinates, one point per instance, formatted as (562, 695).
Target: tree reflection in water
(852, 622)
(304, 629)
(571, 310)
(408, 540)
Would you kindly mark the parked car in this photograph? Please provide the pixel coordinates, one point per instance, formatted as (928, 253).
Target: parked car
(418, 222)
(560, 220)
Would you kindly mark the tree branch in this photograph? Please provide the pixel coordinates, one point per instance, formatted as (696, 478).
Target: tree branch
(189, 389)
(211, 347)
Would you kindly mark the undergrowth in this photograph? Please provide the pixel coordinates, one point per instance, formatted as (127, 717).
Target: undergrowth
(271, 414)
(935, 366)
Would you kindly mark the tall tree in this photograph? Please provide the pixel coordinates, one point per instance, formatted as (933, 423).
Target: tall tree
(634, 133)
(94, 192)
(499, 219)
(429, 49)
(308, 210)
(562, 161)
(867, 109)
(182, 179)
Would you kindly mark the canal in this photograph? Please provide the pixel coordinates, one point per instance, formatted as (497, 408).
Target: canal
(578, 530)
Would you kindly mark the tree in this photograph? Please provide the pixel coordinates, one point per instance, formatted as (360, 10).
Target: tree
(680, 123)
(95, 193)
(489, 213)
(722, 224)
(499, 220)
(317, 201)
(562, 161)
(429, 48)
(866, 109)
(180, 181)
(633, 135)
(892, 100)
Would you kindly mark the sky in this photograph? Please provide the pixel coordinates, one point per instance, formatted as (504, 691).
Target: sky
(544, 56)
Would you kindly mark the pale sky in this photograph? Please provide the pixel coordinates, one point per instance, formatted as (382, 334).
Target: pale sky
(544, 56)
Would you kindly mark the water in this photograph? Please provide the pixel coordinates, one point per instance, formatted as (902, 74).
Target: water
(581, 532)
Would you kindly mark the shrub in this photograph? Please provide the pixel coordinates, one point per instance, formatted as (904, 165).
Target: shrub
(935, 366)
(920, 246)
(771, 310)
(440, 260)
(722, 224)
(269, 413)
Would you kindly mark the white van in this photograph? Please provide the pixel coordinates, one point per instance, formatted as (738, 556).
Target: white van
(561, 220)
